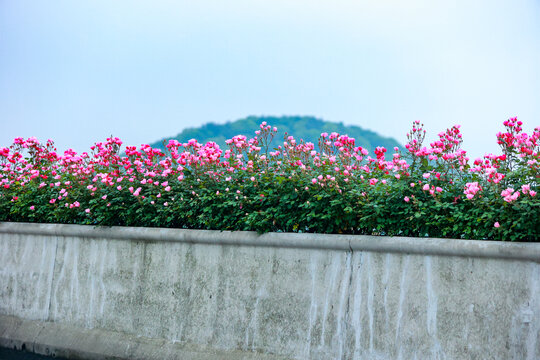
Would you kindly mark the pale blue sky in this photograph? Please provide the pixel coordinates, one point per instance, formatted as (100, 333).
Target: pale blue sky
(78, 71)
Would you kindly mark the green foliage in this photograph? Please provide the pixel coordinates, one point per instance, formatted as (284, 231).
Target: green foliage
(295, 189)
(281, 203)
(307, 128)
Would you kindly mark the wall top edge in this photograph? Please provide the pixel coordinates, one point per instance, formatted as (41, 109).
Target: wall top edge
(405, 245)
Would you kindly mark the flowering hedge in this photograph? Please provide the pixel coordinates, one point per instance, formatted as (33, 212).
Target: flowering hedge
(335, 187)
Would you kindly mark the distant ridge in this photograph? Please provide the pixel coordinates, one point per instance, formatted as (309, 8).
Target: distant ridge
(307, 128)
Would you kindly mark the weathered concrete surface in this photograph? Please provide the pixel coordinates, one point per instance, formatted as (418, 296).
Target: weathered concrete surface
(317, 297)
(66, 341)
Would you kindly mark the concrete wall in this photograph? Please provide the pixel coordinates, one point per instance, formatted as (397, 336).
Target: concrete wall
(166, 293)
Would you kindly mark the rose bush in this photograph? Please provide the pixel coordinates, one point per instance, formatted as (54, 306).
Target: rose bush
(331, 187)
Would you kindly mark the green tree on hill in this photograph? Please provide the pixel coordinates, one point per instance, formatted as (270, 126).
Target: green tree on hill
(307, 128)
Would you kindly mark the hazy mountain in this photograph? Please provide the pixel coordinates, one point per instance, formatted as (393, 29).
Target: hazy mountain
(301, 127)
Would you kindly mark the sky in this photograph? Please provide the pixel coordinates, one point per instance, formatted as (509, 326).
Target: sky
(80, 71)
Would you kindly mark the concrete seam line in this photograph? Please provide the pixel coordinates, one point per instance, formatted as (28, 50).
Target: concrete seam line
(69, 341)
(418, 246)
